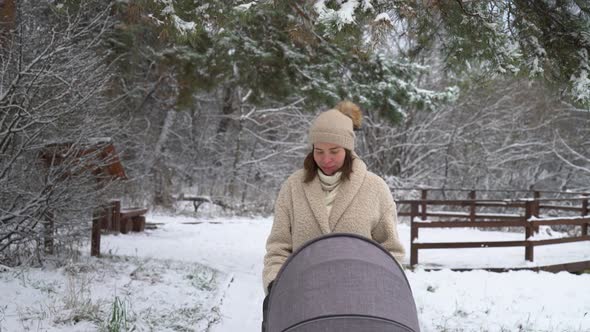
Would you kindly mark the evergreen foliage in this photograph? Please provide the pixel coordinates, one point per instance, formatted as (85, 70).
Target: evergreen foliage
(273, 52)
(536, 39)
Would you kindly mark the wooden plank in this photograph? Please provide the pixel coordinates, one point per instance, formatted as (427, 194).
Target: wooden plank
(477, 216)
(497, 244)
(194, 199)
(579, 198)
(482, 244)
(442, 214)
(561, 207)
(500, 204)
(467, 224)
(492, 202)
(486, 203)
(413, 233)
(529, 231)
(564, 221)
(413, 255)
(534, 213)
(423, 205)
(585, 213)
(106, 217)
(560, 240)
(130, 213)
(569, 267)
(125, 225)
(138, 224)
(115, 216)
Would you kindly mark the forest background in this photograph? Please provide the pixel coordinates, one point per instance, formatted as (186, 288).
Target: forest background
(214, 98)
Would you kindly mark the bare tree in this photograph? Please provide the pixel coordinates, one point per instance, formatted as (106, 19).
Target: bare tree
(497, 136)
(245, 165)
(53, 114)
(571, 145)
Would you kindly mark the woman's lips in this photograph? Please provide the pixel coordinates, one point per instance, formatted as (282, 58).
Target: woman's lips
(327, 168)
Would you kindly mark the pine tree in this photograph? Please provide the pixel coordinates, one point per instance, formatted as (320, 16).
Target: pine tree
(544, 39)
(275, 53)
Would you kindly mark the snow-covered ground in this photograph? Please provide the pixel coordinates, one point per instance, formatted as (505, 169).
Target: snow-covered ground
(150, 294)
(172, 283)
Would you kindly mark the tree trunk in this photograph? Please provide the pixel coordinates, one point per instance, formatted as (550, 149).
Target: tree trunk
(227, 109)
(162, 195)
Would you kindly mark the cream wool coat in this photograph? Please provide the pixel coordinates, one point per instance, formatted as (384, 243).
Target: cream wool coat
(363, 206)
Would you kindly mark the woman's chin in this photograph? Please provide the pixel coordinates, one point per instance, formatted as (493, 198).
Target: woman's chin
(328, 171)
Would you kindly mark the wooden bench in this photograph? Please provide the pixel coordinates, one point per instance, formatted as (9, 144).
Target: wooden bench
(199, 200)
(113, 219)
(132, 220)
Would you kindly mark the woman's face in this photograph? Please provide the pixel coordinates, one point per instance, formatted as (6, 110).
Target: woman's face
(329, 157)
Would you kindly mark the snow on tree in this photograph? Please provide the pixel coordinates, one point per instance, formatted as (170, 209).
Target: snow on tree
(53, 97)
(201, 77)
(538, 39)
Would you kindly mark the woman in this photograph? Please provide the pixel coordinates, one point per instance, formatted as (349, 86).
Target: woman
(333, 193)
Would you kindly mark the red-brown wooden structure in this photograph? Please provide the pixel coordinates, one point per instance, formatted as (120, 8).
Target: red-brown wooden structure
(100, 159)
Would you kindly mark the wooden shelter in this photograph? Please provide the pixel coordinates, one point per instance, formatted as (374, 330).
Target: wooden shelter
(97, 157)
(7, 20)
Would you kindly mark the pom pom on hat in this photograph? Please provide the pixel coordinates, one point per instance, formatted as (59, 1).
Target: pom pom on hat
(337, 125)
(351, 110)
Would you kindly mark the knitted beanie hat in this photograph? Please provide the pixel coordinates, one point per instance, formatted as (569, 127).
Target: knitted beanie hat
(336, 125)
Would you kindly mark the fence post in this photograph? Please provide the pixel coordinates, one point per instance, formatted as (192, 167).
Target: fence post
(98, 215)
(535, 208)
(413, 233)
(529, 248)
(116, 216)
(472, 206)
(105, 220)
(585, 213)
(49, 232)
(423, 208)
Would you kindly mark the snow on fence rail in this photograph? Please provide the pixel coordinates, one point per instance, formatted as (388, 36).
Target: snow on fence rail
(528, 215)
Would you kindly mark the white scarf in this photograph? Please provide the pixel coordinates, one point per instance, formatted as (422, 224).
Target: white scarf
(330, 184)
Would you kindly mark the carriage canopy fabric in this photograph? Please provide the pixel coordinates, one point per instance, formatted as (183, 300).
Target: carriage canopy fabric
(341, 282)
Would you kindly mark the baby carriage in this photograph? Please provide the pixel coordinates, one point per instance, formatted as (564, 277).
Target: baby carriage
(341, 282)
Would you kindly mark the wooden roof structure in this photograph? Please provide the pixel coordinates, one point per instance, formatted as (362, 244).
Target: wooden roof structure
(7, 15)
(98, 157)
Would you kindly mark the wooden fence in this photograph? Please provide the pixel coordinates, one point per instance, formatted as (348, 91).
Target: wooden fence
(468, 213)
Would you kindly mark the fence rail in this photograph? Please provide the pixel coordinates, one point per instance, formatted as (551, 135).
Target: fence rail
(527, 214)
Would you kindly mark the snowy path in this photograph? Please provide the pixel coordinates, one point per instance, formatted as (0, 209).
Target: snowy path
(234, 246)
(446, 300)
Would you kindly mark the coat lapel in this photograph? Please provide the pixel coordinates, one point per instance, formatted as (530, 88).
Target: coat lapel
(347, 192)
(315, 198)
